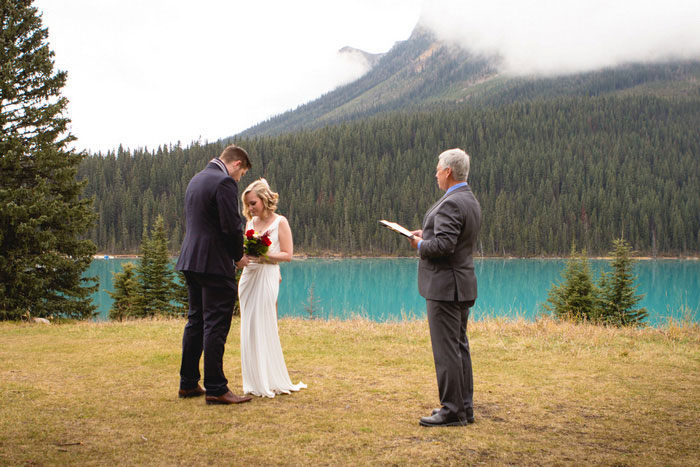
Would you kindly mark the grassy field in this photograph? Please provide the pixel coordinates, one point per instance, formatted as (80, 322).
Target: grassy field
(545, 393)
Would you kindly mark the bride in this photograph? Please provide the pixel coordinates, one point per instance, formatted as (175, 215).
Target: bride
(262, 362)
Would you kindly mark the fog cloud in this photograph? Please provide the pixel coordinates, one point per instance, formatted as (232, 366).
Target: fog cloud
(567, 36)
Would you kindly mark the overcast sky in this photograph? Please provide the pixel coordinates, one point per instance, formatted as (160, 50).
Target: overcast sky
(150, 72)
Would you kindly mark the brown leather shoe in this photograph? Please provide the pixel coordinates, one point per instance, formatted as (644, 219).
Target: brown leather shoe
(196, 392)
(228, 398)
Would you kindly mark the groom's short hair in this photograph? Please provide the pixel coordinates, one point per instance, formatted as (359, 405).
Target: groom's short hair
(234, 153)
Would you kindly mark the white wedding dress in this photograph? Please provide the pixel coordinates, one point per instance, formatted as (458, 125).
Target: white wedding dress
(262, 362)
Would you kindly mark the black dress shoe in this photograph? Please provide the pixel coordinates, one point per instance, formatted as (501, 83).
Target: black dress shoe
(196, 392)
(470, 414)
(441, 420)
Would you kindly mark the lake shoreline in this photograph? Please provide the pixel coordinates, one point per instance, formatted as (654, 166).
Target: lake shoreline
(339, 256)
(507, 287)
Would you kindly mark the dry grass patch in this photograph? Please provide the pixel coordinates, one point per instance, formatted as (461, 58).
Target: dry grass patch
(545, 393)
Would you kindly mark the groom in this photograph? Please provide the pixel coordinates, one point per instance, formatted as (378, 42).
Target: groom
(447, 281)
(213, 241)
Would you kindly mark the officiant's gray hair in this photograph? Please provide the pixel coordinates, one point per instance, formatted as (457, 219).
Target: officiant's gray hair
(262, 190)
(458, 161)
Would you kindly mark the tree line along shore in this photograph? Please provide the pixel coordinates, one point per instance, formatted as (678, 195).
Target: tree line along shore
(547, 173)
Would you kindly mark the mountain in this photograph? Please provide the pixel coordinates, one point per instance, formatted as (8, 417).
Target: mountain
(367, 58)
(422, 72)
(560, 161)
(548, 173)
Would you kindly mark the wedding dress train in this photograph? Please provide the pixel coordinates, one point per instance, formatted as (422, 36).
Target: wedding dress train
(262, 362)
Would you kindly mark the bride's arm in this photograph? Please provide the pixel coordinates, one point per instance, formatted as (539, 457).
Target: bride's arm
(286, 244)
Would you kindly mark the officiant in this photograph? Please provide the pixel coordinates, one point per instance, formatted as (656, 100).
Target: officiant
(447, 281)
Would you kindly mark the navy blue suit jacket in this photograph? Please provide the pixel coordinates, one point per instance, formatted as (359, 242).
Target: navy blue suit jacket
(214, 235)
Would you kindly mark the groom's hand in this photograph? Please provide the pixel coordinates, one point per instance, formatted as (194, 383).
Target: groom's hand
(243, 262)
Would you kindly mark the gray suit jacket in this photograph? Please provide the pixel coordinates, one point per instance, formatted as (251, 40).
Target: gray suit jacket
(446, 267)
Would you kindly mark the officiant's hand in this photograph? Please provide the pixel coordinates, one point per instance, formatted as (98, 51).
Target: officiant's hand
(417, 237)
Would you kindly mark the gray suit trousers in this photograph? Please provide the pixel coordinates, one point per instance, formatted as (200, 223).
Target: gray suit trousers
(453, 362)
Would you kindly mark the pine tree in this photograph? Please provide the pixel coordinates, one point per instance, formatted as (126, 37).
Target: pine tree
(617, 290)
(576, 297)
(156, 275)
(126, 294)
(42, 218)
(180, 294)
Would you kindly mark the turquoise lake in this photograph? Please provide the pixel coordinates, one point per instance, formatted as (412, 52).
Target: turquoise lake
(386, 289)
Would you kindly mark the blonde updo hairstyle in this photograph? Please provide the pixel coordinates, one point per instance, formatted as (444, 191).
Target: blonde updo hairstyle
(262, 190)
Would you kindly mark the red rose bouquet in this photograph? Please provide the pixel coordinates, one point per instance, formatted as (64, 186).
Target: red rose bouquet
(256, 244)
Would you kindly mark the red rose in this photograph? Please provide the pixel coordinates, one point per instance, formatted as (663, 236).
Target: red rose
(250, 233)
(266, 239)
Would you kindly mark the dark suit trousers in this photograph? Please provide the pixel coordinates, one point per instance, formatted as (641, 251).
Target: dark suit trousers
(211, 300)
(453, 362)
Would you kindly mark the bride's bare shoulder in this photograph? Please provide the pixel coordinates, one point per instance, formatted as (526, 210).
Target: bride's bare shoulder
(282, 219)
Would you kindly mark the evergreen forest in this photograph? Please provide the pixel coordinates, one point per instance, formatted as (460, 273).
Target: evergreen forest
(548, 173)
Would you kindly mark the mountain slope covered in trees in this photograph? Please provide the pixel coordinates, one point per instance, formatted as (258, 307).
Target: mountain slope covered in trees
(548, 172)
(581, 159)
